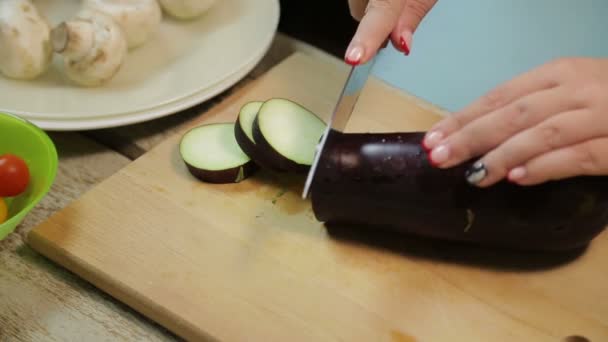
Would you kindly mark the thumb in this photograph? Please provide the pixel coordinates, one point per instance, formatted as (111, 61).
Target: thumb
(411, 17)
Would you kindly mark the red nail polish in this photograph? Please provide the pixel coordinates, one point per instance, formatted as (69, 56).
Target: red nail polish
(424, 147)
(430, 158)
(354, 55)
(404, 47)
(352, 62)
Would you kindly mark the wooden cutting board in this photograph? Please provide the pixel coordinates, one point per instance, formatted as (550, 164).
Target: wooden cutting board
(249, 262)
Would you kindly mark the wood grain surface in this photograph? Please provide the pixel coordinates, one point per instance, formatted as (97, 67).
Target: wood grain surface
(248, 261)
(42, 301)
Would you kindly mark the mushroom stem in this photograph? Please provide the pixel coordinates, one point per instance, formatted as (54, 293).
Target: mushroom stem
(93, 47)
(73, 39)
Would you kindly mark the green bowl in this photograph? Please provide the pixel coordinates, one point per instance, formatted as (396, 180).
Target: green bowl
(22, 138)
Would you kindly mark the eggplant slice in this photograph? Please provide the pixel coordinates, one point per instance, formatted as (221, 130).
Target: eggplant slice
(212, 154)
(243, 132)
(286, 135)
(244, 123)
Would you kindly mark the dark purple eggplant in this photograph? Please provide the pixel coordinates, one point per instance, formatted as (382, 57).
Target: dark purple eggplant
(286, 134)
(385, 181)
(243, 127)
(212, 154)
(243, 132)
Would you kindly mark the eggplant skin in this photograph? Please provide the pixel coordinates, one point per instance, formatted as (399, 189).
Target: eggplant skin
(385, 181)
(271, 158)
(231, 175)
(251, 149)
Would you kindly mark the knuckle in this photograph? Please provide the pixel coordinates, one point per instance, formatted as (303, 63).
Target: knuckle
(494, 99)
(382, 4)
(579, 97)
(417, 7)
(593, 89)
(551, 136)
(517, 115)
(565, 67)
(455, 122)
(589, 162)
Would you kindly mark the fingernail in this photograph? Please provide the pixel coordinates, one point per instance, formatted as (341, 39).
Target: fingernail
(476, 173)
(405, 42)
(354, 55)
(439, 155)
(431, 140)
(517, 174)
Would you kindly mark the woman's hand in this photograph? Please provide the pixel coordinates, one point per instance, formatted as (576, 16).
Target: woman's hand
(382, 19)
(547, 124)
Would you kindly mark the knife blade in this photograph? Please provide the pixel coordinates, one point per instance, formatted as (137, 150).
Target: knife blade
(355, 82)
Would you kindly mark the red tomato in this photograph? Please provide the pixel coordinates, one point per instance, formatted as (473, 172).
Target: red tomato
(14, 175)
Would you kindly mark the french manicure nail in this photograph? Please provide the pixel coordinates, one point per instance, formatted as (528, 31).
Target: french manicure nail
(439, 155)
(476, 173)
(431, 140)
(405, 42)
(517, 174)
(354, 55)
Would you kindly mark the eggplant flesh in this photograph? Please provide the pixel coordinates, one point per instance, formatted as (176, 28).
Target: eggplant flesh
(385, 181)
(212, 155)
(286, 134)
(243, 133)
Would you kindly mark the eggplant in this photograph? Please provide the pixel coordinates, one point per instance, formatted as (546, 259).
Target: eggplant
(243, 132)
(385, 181)
(212, 154)
(243, 128)
(286, 135)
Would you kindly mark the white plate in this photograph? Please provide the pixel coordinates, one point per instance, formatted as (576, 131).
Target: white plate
(136, 117)
(184, 63)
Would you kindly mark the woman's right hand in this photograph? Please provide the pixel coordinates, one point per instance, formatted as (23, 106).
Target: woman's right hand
(382, 19)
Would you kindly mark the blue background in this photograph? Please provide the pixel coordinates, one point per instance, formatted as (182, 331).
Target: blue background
(466, 47)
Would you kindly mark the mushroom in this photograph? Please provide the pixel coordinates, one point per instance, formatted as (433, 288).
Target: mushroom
(139, 19)
(25, 51)
(93, 47)
(186, 9)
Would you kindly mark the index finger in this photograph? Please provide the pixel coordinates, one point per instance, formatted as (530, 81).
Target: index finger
(535, 80)
(379, 20)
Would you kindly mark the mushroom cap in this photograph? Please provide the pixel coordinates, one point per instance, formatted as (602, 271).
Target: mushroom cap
(186, 9)
(139, 19)
(25, 49)
(106, 54)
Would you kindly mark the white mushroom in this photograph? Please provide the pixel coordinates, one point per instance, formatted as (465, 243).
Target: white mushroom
(186, 9)
(25, 50)
(93, 47)
(139, 19)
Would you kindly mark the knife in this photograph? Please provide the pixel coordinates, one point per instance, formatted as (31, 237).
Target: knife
(355, 82)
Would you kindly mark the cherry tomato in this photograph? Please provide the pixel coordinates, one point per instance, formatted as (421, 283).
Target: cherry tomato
(3, 210)
(14, 175)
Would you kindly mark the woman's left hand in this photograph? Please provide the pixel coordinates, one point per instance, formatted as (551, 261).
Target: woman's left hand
(547, 124)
